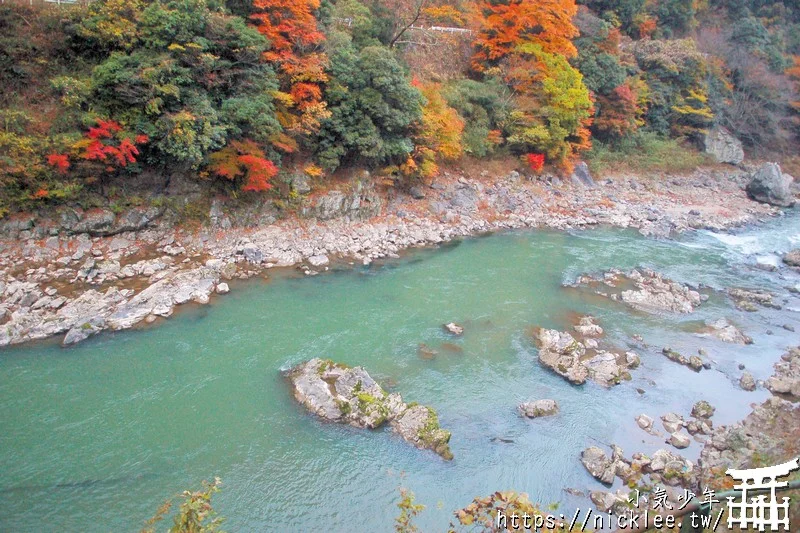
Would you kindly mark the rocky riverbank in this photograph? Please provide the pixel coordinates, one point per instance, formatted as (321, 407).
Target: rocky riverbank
(76, 272)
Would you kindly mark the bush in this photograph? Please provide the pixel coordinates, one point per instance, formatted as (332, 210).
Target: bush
(642, 152)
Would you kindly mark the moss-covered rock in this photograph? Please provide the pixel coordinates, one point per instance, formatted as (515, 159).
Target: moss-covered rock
(345, 395)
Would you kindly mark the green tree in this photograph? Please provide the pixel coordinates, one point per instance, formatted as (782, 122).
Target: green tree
(372, 103)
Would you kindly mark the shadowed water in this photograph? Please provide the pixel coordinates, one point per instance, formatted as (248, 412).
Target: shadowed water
(95, 437)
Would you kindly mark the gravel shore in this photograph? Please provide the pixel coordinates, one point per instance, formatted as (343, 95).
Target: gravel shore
(80, 272)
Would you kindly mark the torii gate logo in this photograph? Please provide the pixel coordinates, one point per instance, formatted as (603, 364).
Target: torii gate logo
(758, 512)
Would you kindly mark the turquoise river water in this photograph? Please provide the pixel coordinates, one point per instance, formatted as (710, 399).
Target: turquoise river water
(95, 437)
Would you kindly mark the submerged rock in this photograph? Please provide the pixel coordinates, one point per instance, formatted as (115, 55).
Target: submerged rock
(693, 361)
(769, 185)
(454, 328)
(726, 332)
(748, 300)
(538, 408)
(345, 395)
(588, 328)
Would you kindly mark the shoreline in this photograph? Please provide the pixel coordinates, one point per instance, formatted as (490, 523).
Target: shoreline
(80, 285)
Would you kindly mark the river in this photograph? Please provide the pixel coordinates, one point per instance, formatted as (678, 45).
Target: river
(95, 437)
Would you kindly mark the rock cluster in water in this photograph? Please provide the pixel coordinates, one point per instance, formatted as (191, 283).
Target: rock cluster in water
(644, 290)
(751, 299)
(578, 360)
(347, 395)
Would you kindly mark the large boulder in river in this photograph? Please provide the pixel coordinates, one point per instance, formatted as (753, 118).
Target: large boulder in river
(560, 352)
(345, 395)
(723, 146)
(599, 464)
(538, 408)
(769, 185)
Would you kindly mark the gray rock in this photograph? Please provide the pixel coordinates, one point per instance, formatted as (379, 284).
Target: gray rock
(300, 184)
(416, 192)
(644, 422)
(318, 260)
(792, 258)
(588, 328)
(770, 186)
(680, 440)
(727, 332)
(222, 288)
(703, 409)
(346, 395)
(581, 176)
(562, 354)
(598, 464)
(723, 146)
(747, 382)
(253, 254)
(83, 331)
(786, 378)
(672, 422)
(538, 408)
(454, 328)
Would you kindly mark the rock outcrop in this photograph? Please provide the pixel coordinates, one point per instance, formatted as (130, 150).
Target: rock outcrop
(770, 431)
(786, 379)
(576, 361)
(769, 185)
(345, 395)
(751, 299)
(723, 146)
(650, 292)
(599, 464)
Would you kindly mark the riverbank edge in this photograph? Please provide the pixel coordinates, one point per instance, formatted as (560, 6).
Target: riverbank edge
(79, 285)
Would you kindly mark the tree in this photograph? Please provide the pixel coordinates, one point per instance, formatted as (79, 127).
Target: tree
(373, 107)
(439, 135)
(244, 161)
(193, 79)
(504, 25)
(553, 106)
(290, 26)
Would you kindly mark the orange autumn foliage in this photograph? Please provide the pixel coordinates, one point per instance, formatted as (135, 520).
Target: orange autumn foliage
(291, 27)
(504, 25)
(245, 160)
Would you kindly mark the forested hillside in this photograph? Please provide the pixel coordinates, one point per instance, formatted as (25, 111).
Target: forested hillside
(241, 94)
